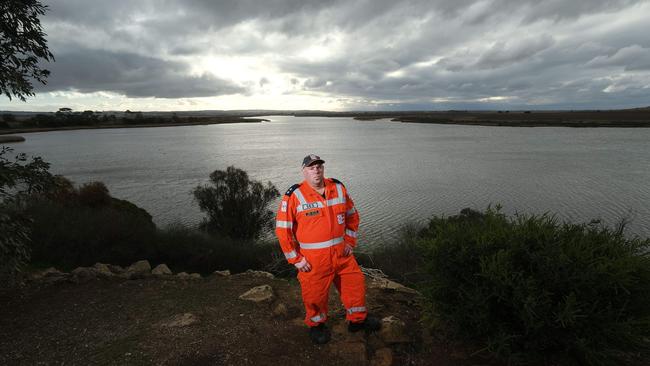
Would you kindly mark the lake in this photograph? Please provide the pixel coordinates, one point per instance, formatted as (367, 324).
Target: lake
(395, 172)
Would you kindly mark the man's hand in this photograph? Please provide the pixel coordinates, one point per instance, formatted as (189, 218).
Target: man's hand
(303, 265)
(347, 250)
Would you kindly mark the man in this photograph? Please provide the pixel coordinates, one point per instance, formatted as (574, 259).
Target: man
(317, 228)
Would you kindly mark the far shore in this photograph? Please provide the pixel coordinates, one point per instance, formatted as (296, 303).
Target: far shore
(638, 117)
(106, 126)
(27, 122)
(11, 138)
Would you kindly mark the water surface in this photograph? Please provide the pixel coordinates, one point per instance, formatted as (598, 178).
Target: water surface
(395, 172)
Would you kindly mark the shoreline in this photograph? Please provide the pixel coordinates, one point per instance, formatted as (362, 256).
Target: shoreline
(173, 124)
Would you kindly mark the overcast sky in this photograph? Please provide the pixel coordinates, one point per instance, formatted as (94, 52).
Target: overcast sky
(345, 55)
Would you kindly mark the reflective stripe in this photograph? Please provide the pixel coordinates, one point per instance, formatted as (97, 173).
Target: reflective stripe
(300, 197)
(284, 224)
(304, 205)
(321, 245)
(291, 254)
(350, 211)
(317, 318)
(338, 200)
(351, 233)
(357, 309)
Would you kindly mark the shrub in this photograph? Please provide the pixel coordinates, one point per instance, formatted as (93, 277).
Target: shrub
(18, 179)
(400, 259)
(532, 290)
(186, 249)
(78, 227)
(237, 207)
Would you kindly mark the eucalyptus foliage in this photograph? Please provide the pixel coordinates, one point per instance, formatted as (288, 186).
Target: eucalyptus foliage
(22, 47)
(236, 206)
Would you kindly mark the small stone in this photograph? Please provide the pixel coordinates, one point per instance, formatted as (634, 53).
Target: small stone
(261, 274)
(387, 284)
(382, 357)
(195, 276)
(299, 322)
(183, 276)
(103, 270)
(224, 273)
(393, 330)
(51, 271)
(180, 320)
(115, 268)
(258, 294)
(139, 269)
(280, 310)
(161, 270)
(83, 274)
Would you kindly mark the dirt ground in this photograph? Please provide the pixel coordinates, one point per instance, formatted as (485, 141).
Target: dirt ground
(118, 322)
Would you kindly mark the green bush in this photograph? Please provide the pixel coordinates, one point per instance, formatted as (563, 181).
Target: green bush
(78, 227)
(187, 249)
(534, 291)
(237, 207)
(19, 178)
(400, 259)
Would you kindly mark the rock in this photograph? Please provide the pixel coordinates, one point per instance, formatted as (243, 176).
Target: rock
(382, 357)
(195, 276)
(83, 274)
(161, 270)
(139, 269)
(280, 310)
(183, 276)
(180, 320)
(393, 330)
(115, 268)
(259, 294)
(387, 284)
(103, 270)
(352, 352)
(260, 274)
(51, 271)
(50, 275)
(298, 322)
(225, 273)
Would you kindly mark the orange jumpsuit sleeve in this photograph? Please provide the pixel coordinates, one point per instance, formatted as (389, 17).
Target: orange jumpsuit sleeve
(351, 221)
(285, 225)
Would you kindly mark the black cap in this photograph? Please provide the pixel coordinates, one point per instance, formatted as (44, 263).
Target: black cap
(311, 159)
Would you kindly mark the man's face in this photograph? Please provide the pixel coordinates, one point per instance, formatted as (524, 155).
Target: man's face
(314, 174)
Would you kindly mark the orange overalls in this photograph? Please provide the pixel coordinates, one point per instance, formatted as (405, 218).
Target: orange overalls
(318, 228)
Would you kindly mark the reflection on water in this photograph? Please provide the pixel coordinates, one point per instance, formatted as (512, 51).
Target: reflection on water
(395, 172)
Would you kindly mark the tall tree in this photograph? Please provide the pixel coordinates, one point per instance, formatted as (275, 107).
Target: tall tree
(22, 45)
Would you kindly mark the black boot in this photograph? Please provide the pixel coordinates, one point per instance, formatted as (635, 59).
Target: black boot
(319, 334)
(370, 324)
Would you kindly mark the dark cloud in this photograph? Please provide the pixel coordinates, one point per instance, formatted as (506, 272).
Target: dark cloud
(411, 53)
(631, 58)
(131, 75)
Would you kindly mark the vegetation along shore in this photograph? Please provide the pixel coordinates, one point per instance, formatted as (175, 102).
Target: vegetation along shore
(65, 118)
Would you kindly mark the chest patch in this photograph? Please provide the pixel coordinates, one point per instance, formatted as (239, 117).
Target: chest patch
(340, 218)
(313, 213)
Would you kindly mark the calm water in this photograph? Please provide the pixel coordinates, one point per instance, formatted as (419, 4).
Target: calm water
(395, 172)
